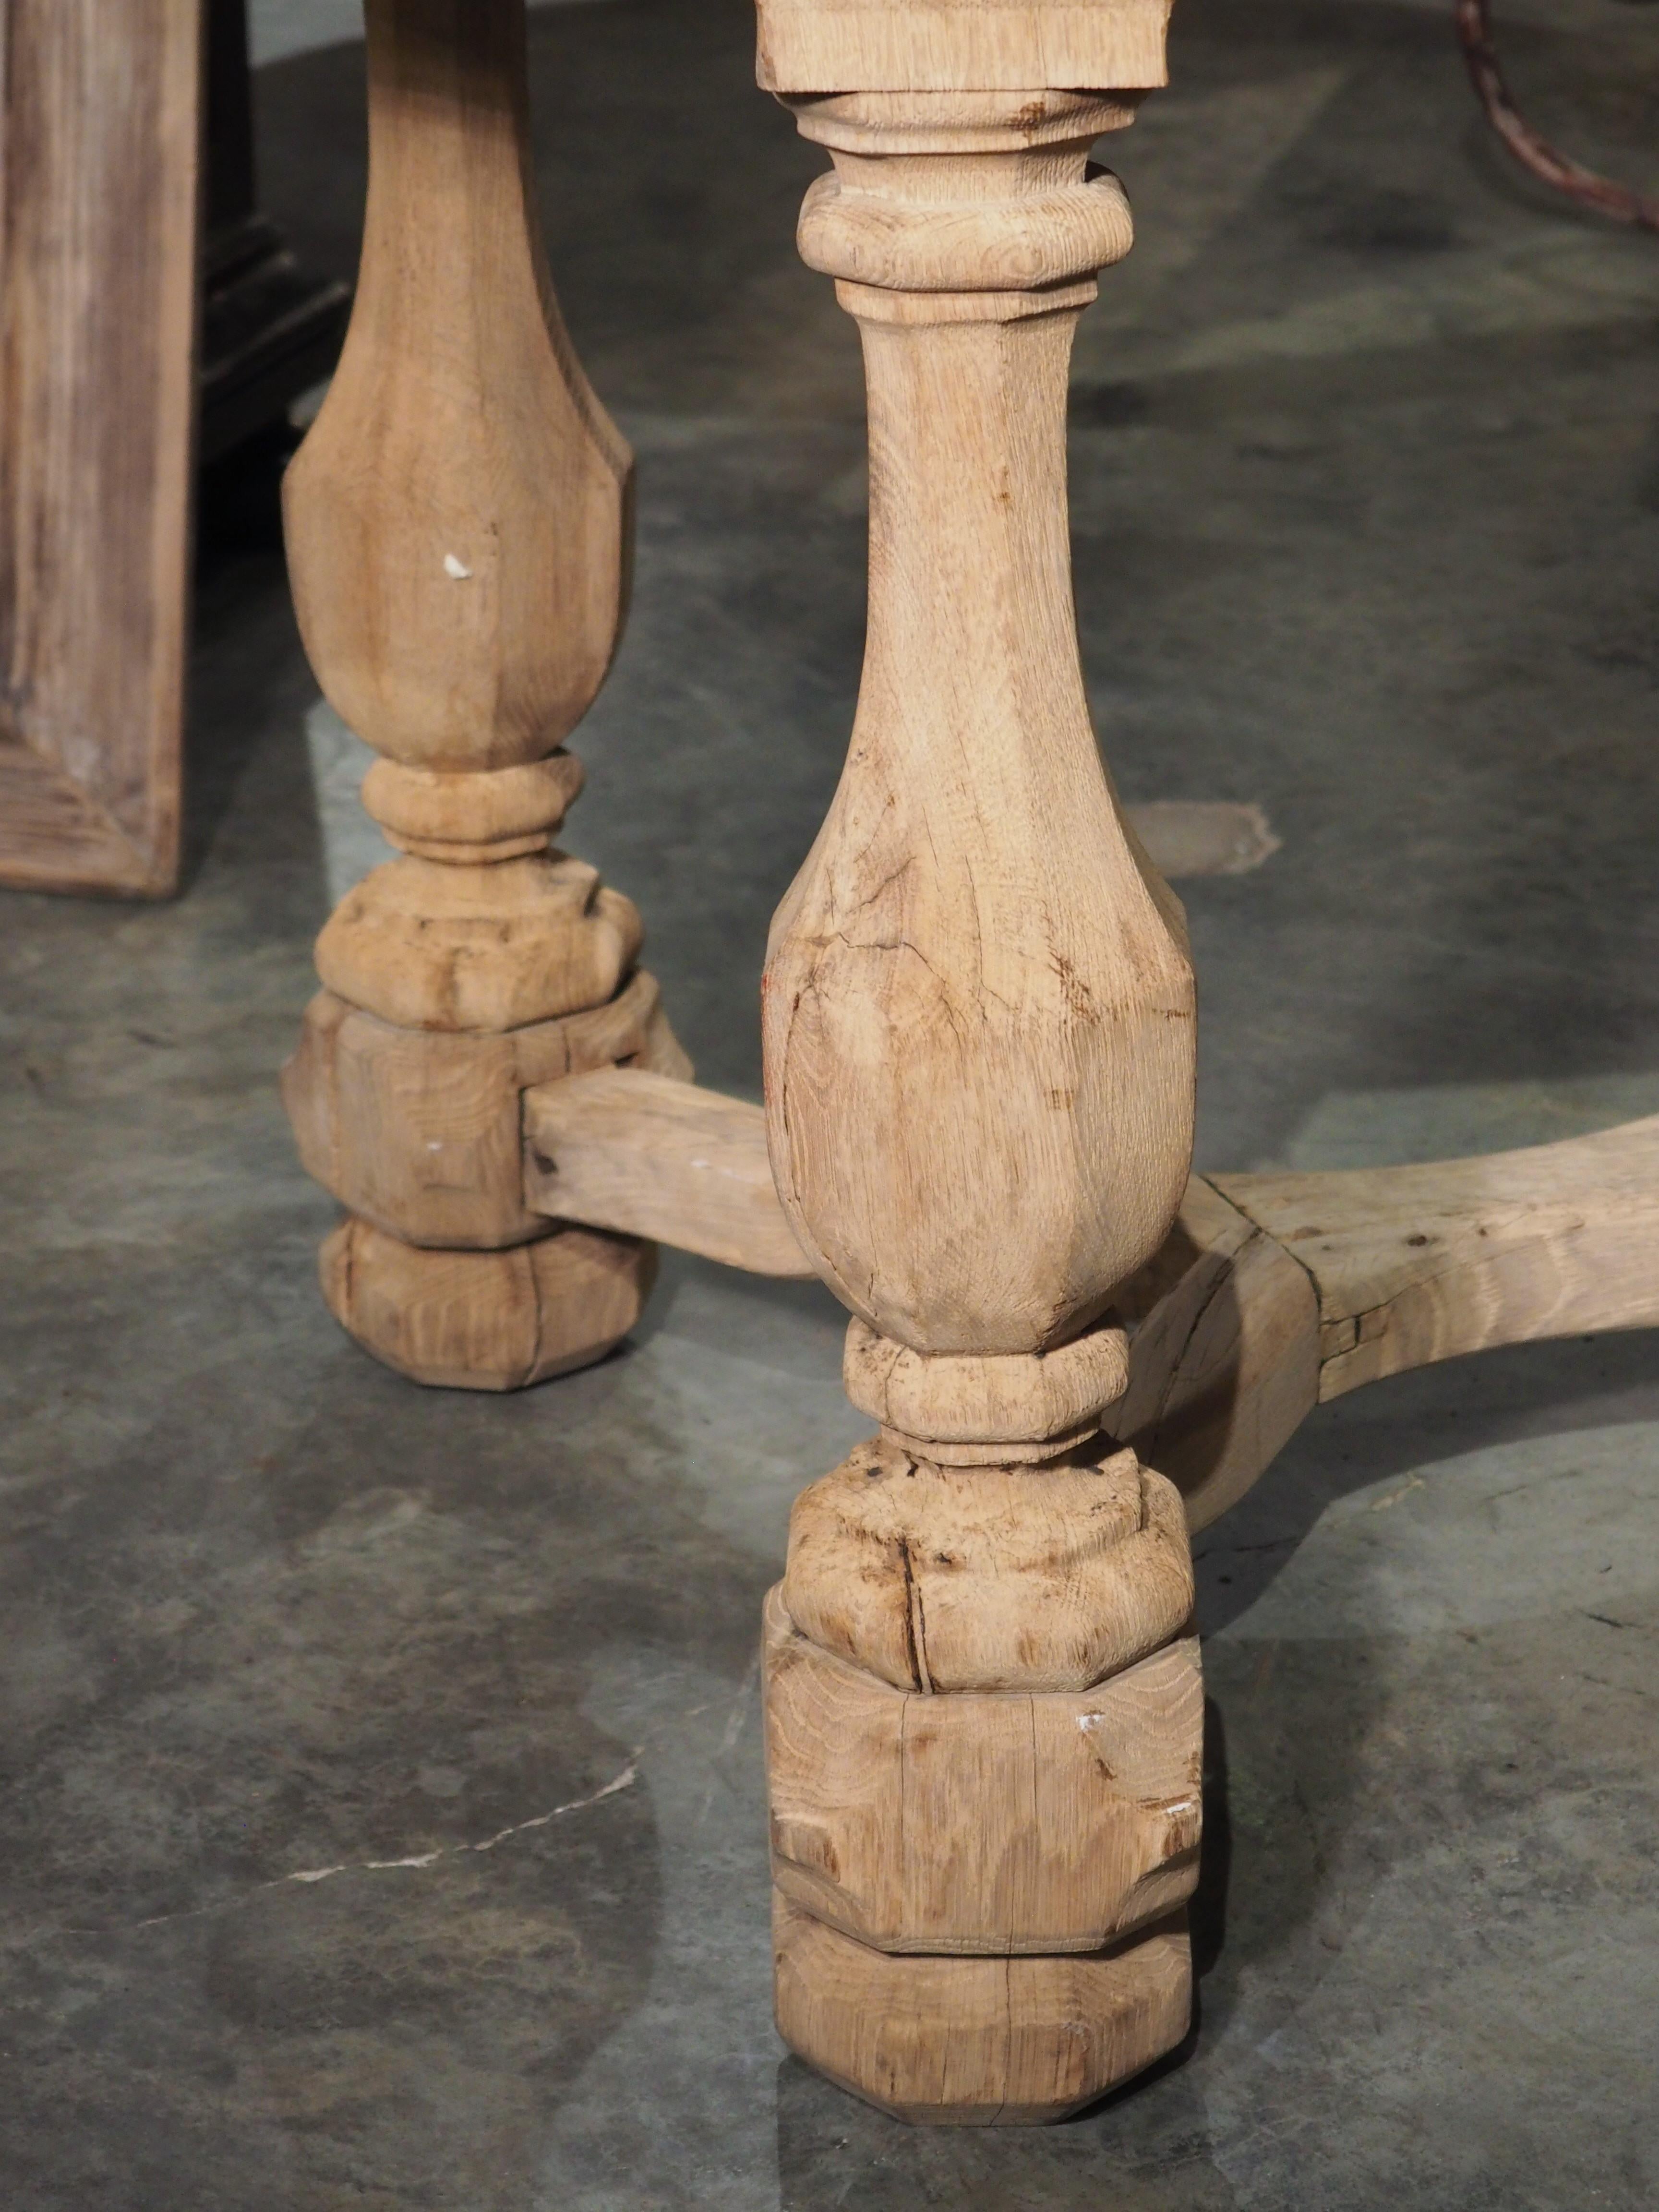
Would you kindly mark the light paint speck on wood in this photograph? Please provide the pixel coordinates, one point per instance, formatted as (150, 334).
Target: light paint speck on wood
(457, 524)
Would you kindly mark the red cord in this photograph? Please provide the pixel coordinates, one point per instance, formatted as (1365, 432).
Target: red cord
(1534, 153)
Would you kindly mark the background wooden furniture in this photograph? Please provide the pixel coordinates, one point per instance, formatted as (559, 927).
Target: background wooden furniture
(271, 326)
(101, 230)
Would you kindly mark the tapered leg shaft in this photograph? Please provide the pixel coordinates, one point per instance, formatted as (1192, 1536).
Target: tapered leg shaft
(457, 528)
(984, 1703)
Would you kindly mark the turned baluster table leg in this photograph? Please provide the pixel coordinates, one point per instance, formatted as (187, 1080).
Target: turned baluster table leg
(984, 1703)
(457, 530)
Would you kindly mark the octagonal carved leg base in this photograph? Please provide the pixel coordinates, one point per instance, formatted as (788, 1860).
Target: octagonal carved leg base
(486, 1320)
(967, 2042)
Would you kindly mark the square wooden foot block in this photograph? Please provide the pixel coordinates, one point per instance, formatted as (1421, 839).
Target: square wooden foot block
(968, 1823)
(421, 1131)
(486, 1320)
(979, 2042)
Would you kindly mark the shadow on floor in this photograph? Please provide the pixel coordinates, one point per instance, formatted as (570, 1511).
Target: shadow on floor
(1362, 456)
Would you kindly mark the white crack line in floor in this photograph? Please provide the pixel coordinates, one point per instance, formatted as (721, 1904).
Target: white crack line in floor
(309, 1876)
(625, 1780)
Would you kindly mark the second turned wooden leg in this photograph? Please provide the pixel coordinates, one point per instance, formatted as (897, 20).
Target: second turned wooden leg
(984, 1707)
(457, 528)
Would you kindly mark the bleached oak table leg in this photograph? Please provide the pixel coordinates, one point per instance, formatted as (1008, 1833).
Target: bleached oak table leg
(457, 530)
(984, 1708)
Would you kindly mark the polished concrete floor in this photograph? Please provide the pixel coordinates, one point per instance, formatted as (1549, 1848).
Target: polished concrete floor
(1367, 514)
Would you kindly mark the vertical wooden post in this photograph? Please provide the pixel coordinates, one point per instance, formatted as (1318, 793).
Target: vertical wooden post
(984, 1706)
(458, 536)
(100, 187)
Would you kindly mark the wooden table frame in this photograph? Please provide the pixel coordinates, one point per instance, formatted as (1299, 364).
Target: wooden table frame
(983, 1687)
(149, 317)
(102, 145)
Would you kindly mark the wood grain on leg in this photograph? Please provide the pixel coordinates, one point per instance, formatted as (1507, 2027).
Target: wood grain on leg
(457, 526)
(978, 1025)
(1002, 1824)
(485, 1321)
(978, 2042)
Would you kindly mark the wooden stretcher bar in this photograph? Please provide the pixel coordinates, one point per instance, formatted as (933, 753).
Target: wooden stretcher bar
(1272, 1294)
(984, 1692)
